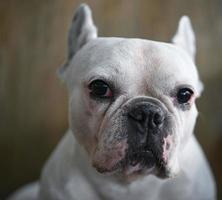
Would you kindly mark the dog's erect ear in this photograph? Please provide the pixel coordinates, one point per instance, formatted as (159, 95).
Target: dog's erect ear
(185, 37)
(82, 30)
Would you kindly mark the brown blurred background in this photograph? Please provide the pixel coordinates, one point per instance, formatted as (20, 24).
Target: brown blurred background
(33, 102)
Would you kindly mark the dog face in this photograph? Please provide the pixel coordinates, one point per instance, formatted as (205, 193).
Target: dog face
(132, 101)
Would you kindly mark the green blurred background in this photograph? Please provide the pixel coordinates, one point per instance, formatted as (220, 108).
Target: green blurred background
(33, 102)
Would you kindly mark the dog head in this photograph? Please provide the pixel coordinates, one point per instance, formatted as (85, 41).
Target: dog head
(132, 101)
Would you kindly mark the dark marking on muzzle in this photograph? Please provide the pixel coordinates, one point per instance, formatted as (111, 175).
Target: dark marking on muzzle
(148, 125)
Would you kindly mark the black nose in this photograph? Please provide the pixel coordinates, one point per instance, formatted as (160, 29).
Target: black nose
(146, 117)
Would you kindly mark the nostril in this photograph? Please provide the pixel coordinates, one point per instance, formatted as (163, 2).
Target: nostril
(158, 119)
(146, 117)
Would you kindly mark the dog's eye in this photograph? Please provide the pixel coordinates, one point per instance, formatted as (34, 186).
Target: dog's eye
(184, 95)
(100, 89)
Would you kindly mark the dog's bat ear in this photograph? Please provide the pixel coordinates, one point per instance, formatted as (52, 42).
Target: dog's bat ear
(82, 30)
(185, 37)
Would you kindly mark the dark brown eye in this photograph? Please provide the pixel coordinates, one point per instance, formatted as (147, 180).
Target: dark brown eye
(100, 89)
(184, 95)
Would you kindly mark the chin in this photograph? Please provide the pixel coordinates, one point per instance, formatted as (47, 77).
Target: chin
(129, 172)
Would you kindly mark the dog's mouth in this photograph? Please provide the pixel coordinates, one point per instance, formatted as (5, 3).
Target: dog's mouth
(144, 158)
(139, 162)
(144, 162)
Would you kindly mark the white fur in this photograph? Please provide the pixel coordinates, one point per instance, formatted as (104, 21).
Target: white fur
(185, 37)
(69, 175)
(142, 68)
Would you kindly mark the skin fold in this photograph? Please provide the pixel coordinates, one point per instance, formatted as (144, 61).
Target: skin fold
(137, 141)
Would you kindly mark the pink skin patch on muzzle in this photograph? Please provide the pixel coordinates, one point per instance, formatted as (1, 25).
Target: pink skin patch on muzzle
(106, 159)
(166, 147)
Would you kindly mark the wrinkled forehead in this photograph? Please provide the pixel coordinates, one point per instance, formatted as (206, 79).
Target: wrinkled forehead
(136, 60)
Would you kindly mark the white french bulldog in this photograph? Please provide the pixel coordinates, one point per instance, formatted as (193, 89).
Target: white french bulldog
(132, 114)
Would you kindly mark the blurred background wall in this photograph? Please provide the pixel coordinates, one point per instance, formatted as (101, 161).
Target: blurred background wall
(33, 103)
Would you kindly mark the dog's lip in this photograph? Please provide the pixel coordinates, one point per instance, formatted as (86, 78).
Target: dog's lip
(138, 160)
(105, 170)
(153, 164)
(157, 168)
(137, 156)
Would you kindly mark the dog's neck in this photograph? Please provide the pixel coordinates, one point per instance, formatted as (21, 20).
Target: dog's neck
(111, 186)
(66, 168)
